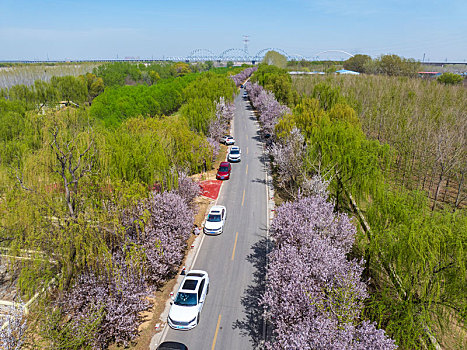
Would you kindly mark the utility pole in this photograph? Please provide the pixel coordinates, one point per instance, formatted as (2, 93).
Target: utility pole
(245, 43)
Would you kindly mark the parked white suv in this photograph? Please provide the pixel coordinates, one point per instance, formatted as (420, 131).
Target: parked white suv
(234, 154)
(189, 301)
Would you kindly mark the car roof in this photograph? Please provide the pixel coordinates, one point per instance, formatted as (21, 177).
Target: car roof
(191, 282)
(216, 208)
(171, 345)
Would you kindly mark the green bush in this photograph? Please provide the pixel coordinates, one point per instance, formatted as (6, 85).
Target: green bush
(450, 79)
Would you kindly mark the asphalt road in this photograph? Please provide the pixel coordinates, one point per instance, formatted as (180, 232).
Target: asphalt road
(235, 260)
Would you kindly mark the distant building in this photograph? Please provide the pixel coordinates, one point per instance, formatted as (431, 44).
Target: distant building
(304, 73)
(428, 75)
(345, 71)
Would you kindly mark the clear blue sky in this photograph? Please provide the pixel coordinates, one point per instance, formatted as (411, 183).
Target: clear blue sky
(85, 29)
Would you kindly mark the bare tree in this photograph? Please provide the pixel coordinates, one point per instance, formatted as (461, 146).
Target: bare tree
(449, 151)
(73, 165)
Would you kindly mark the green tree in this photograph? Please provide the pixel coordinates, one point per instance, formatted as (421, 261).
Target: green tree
(70, 88)
(357, 63)
(274, 58)
(450, 79)
(46, 94)
(276, 80)
(23, 93)
(154, 77)
(181, 68)
(209, 65)
(394, 65)
(418, 267)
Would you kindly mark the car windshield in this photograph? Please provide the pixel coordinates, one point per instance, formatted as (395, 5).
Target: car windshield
(214, 217)
(234, 151)
(186, 299)
(223, 169)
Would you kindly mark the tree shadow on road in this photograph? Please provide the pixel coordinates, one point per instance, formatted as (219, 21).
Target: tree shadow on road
(252, 325)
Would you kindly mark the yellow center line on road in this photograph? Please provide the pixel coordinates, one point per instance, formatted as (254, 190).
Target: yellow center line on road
(243, 199)
(247, 150)
(246, 171)
(235, 245)
(217, 331)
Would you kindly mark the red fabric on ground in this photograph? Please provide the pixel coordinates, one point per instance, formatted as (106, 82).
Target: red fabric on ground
(210, 188)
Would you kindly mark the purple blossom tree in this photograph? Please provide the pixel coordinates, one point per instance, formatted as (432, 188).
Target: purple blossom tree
(314, 186)
(314, 295)
(117, 296)
(288, 160)
(114, 295)
(218, 126)
(161, 225)
(13, 327)
(243, 75)
(187, 188)
(267, 106)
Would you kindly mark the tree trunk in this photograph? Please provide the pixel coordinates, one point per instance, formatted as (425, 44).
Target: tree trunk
(446, 190)
(438, 186)
(459, 189)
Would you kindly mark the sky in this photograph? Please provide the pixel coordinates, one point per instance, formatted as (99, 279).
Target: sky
(108, 29)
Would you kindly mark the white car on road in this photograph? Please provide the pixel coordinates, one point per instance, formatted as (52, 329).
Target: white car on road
(188, 303)
(234, 154)
(215, 221)
(227, 139)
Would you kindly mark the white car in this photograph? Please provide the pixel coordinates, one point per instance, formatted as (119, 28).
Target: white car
(234, 154)
(227, 139)
(215, 221)
(188, 303)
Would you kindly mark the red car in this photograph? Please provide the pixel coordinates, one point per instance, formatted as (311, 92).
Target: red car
(223, 173)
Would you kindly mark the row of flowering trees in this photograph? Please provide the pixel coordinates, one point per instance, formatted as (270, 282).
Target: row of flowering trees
(105, 301)
(314, 294)
(224, 113)
(240, 78)
(155, 241)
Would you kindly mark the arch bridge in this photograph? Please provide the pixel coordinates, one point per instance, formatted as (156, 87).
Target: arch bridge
(240, 55)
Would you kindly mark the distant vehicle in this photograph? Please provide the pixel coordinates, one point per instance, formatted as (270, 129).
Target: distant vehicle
(227, 139)
(188, 303)
(245, 94)
(234, 154)
(172, 345)
(215, 221)
(223, 173)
